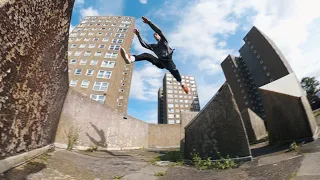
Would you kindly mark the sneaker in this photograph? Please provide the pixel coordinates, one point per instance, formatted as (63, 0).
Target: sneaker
(185, 88)
(125, 56)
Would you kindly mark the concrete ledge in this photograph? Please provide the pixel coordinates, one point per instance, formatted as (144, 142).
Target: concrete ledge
(17, 160)
(83, 148)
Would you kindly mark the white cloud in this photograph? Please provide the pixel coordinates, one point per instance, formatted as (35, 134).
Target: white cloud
(90, 11)
(146, 82)
(143, 1)
(201, 29)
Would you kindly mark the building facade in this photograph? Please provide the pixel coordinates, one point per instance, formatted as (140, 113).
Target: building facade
(260, 63)
(176, 100)
(96, 68)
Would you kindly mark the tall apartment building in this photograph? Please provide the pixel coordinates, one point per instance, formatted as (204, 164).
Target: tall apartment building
(96, 68)
(260, 63)
(176, 100)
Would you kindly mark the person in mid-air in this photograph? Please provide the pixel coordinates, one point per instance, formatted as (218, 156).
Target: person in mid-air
(161, 49)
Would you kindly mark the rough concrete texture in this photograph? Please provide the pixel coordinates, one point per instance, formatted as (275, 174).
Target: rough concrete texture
(133, 164)
(185, 118)
(254, 125)
(96, 125)
(33, 75)
(288, 117)
(318, 120)
(164, 135)
(218, 128)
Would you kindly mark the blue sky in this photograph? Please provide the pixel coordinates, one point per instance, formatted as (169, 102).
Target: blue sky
(204, 32)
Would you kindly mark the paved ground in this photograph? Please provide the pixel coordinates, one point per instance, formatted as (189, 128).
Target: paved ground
(270, 163)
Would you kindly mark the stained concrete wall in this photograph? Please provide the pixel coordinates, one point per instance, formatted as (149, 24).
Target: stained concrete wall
(254, 125)
(186, 118)
(33, 71)
(218, 128)
(164, 135)
(97, 125)
(288, 113)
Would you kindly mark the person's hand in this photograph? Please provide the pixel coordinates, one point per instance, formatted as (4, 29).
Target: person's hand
(137, 32)
(145, 20)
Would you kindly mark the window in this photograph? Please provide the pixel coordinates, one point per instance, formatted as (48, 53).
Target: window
(171, 122)
(113, 24)
(170, 96)
(264, 67)
(261, 62)
(99, 33)
(95, 39)
(87, 53)
(82, 46)
(83, 62)
(73, 61)
(82, 34)
(111, 55)
(108, 64)
(122, 30)
(92, 45)
(186, 101)
(119, 104)
(99, 98)
(169, 91)
(114, 47)
(170, 105)
(124, 25)
(109, 34)
(111, 29)
(94, 62)
(85, 84)
(73, 83)
(78, 39)
(91, 34)
(105, 39)
(100, 86)
(186, 105)
(119, 41)
(73, 46)
(97, 54)
(178, 121)
(102, 46)
(170, 115)
(77, 72)
(69, 53)
(77, 53)
(171, 110)
(120, 35)
(268, 74)
(126, 22)
(120, 97)
(104, 74)
(89, 72)
(170, 100)
(123, 84)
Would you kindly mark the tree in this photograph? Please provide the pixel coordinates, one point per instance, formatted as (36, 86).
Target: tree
(309, 84)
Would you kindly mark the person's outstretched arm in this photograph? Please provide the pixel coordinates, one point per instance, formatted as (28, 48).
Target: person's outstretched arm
(155, 28)
(142, 42)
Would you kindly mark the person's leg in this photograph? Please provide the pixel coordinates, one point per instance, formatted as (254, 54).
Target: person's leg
(171, 67)
(141, 57)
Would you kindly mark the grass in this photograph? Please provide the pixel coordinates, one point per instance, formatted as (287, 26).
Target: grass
(317, 113)
(92, 149)
(173, 156)
(160, 174)
(117, 177)
(293, 176)
(207, 163)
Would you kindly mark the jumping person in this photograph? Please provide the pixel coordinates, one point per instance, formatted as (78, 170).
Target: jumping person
(161, 49)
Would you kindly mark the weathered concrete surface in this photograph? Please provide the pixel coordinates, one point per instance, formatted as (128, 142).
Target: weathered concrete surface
(218, 128)
(318, 120)
(288, 113)
(164, 135)
(186, 118)
(97, 125)
(254, 125)
(33, 71)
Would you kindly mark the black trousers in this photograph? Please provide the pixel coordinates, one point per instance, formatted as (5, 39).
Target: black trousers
(167, 64)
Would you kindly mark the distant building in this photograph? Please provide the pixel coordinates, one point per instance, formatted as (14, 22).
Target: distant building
(96, 68)
(172, 99)
(260, 63)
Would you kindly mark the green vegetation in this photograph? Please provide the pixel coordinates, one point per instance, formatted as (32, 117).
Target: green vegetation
(207, 163)
(317, 113)
(293, 176)
(173, 156)
(117, 177)
(294, 147)
(92, 149)
(72, 138)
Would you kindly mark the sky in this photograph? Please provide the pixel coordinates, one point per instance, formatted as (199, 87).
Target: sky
(204, 32)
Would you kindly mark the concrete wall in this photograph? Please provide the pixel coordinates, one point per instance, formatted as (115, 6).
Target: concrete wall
(186, 118)
(255, 126)
(33, 71)
(98, 125)
(288, 113)
(164, 135)
(318, 120)
(218, 128)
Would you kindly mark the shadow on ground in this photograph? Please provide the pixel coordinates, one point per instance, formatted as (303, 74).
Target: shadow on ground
(22, 172)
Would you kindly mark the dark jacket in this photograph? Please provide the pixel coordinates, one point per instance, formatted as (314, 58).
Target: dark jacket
(161, 49)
